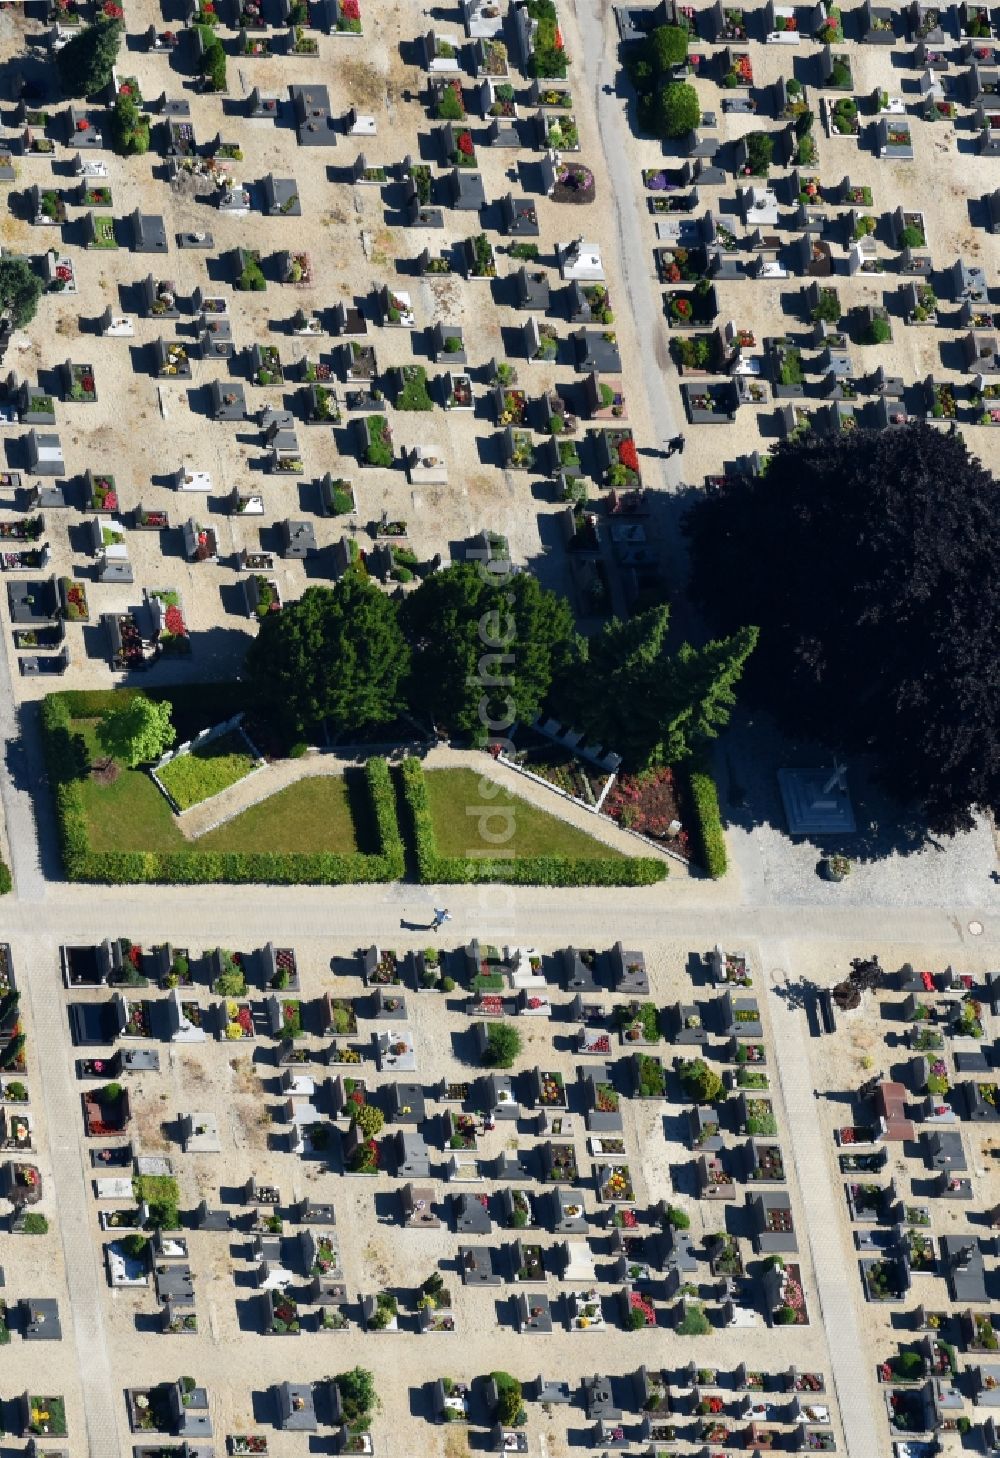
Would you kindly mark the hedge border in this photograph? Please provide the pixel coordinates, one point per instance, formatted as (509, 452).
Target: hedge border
(708, 824)
(119, 868)
(433, 868)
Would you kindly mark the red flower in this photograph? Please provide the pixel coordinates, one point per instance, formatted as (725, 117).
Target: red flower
(350, 10)
(174, 621)
(88, 383)
(124, 89)
(113, 11)
(465, 144)
(83, 125)
(627, 455)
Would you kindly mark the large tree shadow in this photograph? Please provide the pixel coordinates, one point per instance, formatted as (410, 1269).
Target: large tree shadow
(747, 762)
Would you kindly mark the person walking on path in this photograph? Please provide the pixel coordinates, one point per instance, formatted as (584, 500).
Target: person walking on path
(440, 917)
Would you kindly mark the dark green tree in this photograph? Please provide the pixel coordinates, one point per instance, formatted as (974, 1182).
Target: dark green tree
(20, 290)
(699, 1081)
(503, 1044)
(337, 655)
(137, 731)
(697, 692)
(667, 47)
(484, 646)
(129, 128)
(357, 1395)
(510, 1405)
(677, 110)
(86, 60)
(652, 708)
(871, 561)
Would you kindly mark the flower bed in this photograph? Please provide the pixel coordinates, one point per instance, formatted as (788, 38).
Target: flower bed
(648, 803)
(379, 449)
(574, 184)
(563, 1166)
(74, 598)
(82, 388)
(616, 1184)
(463, 1132)
(552, 1092)
(239, 1020)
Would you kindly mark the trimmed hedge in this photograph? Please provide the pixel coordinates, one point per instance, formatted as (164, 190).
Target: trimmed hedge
(709, 837)
(433, 868)
(187, 867)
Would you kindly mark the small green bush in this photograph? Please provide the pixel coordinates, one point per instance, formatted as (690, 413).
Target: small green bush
(694, 1323)
(503, 1044)
(35, 1224)
(6, 880)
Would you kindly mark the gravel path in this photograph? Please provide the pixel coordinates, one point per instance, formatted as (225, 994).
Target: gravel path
(600, 68)
(836, 1282)
(74, 1214)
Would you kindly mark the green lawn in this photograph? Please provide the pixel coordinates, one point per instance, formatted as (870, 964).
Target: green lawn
(325, 813)
(131, 814)
(452, 792)
(197, 776)
(311, 815)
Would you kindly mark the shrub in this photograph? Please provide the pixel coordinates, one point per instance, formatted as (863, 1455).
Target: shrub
(450, 106)
(213, 65)
(911, 237)
(129, 127)
(414, 394)
(433, 868)
(368, 1118)
(828, 308)
(231, 984)
(86, 61)
(503, 1044)
(785, 1315)
(20, 289)
(378, 452)
(6, 881)
(510, 1405)
(299, 750)
(678, 110)
(35, 1224)
(357, 1395)
(700, 1082)
(667, 47)
(251, 278)
(707, 826)
(447, 984)
(760, 147)
(878, 331)
(678, 1219)
(694, 1323)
